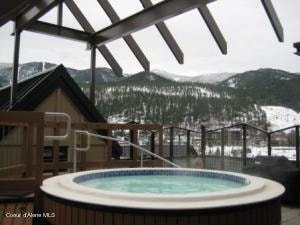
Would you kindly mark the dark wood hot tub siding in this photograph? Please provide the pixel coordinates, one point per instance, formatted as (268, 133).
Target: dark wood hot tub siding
(74, 213)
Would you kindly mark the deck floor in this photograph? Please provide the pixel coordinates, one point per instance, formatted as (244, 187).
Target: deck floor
(290, 215)
(15, 208)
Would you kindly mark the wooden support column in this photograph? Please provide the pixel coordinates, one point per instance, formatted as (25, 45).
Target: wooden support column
(297, 147)
(93, 75)
(244, 139)
(39, 161)
(15, 67)
(60, 14)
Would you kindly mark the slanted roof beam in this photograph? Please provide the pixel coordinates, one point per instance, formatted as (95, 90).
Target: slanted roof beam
(153, 15)
(167, 36)
(113, 16)
(213, 28)
(10, 9)
(59, 31)
(88, 28)
(273, 17)
(38, 9)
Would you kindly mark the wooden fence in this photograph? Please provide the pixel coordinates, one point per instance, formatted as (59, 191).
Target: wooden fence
(27, 175)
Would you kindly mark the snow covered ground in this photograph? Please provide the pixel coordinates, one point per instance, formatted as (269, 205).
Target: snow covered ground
(287, 151)
(281, 117)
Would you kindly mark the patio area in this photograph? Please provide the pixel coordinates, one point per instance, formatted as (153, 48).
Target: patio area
(290, 214)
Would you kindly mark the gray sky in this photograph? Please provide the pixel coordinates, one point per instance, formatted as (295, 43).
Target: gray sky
(252, 43)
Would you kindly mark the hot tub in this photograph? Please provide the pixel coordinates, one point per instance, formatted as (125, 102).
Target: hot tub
(161, 196)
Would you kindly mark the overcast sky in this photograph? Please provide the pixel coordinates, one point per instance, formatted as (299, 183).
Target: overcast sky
(251, 41)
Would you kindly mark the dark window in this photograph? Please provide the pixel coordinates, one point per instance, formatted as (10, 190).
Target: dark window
(48, 153)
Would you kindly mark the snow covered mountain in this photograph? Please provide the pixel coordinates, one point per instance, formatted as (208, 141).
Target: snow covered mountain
(212, 78)
(4, 65)
(280, 117)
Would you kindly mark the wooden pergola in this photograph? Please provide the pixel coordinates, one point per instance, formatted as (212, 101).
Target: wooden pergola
(26, 14)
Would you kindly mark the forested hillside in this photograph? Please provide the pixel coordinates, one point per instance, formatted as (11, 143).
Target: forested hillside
(149, 97)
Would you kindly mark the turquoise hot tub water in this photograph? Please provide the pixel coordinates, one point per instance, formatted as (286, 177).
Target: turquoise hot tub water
(162, 181)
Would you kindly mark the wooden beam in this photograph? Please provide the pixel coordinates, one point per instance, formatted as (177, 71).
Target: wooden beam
(167, 36)
(38, 9)
(88, 28)
(59, 31)
(113, 16)
(273, 17)
(213, 28)
(153, 15)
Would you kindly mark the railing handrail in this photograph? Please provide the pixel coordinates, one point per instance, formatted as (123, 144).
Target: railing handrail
(68, 128)
(89, 134)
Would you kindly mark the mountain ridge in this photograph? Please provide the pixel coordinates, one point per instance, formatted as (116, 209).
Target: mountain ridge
(151, 97)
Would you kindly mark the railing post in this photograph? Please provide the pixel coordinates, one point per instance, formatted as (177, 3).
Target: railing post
(188, 148)
(152, 144)
(27, 150)
(160, 142)
(244, 150)
(39, 161)
(130, 147)
(297, 146)
(55, 150)
(109, 147)
(269, 144)
(171, 143)
(203, 143)
(135, 141)
(222, 149)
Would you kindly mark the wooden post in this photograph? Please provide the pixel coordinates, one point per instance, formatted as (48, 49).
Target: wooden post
(60, 14)
(203, 143)
(188, 148)
(39, 159)
(15, 68)
(222, 149)
(297, 146)
(83, 153)
(171, 143)
(93, 75)
(55, 150)
(269, 144)
(26, 150)
(244, 139)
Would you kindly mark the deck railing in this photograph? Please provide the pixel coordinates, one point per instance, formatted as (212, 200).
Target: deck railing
(231, 147)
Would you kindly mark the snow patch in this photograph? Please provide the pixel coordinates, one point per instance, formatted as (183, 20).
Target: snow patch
(281, 117)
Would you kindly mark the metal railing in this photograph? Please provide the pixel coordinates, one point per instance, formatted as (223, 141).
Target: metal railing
(89, 135)
(68, 128)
